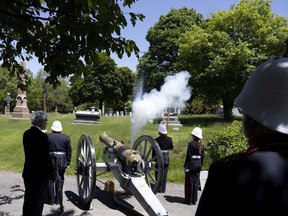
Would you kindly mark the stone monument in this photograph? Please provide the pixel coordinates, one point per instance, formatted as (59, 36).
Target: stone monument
(8, 100)
(87, 117)
(21, 110)
(170, 118)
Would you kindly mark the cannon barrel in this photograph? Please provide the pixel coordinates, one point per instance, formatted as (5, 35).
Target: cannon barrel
(126, 154)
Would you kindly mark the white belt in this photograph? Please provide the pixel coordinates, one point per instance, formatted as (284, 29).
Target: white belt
(164, 151)
(196, 156)
(57, 153)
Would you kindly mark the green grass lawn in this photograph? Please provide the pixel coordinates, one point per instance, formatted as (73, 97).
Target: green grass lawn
(11, 131)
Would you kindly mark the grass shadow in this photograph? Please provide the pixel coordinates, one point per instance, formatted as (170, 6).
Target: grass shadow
(201, 120)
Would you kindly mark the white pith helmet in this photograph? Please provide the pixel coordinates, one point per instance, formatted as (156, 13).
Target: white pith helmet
(265, 95)
(197, 131)
(57, 126)
(162, 129)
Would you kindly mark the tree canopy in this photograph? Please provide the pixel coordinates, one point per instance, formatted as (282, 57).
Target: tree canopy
(49, 98)
(103, 83)
(7, 85)
(63, 35)
(161, 58)
(55, 96)
(221, 55)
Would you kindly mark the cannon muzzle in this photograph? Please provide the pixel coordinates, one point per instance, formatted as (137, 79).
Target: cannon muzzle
(126, 154)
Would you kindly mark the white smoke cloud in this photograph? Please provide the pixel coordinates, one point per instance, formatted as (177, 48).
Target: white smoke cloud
(174, 93)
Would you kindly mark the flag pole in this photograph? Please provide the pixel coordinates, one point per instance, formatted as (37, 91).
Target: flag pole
(168, 117)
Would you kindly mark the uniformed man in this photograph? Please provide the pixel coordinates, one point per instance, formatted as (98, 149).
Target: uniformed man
(166, 144)
(60, 152)
(60, 144)
(193, 166)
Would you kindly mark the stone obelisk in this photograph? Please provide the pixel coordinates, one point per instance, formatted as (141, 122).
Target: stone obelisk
(21, 110)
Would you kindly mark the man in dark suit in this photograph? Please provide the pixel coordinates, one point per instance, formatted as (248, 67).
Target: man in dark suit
(38, 168)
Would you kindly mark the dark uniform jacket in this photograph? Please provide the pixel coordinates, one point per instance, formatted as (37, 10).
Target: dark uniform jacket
(194, 159)
(59, 142)
(165, 144)
(250, 183)
(37, 160)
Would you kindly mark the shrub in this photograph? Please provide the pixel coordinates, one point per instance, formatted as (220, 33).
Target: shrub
(226, 142)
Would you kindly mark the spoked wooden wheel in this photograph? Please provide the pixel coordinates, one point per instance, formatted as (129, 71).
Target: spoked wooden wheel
(153, 165)
(86, 169)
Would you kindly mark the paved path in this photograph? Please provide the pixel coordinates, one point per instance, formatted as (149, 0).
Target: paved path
(12, 192)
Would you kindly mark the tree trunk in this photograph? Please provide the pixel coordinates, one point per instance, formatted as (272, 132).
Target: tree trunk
(227, 109)
(44, 102)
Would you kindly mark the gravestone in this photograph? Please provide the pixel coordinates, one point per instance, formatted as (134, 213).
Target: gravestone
(170, 116)
(89, 117)
(21, 110)
(235, 112)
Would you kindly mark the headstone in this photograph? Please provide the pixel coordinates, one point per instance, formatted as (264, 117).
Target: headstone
(220, 111)
(21, 110)
(170, 116)
(103, 109)
(235, 112)
(8, 100)
(89, 117)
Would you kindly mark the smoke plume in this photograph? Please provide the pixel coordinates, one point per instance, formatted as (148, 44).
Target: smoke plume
(173, 93)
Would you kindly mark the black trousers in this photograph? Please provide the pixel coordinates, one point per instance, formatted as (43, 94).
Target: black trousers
(163, 182)
(192, 180)
(62, 173)
(34, 197)
(162, 188)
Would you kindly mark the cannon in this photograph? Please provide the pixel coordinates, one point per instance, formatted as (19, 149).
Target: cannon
(138, 170)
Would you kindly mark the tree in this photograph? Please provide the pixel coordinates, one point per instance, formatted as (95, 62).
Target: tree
(103, 83)
(7, 85)
(40, 82)
(48, 97)
(58, 98)
(162, 56)
(127, 81)
(75, 92)
(63, 35)
(221, 56)
(34, 95)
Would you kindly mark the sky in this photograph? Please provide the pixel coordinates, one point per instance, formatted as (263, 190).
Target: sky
(153, 9)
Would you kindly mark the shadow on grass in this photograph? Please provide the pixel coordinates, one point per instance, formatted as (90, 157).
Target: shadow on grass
(201, 120)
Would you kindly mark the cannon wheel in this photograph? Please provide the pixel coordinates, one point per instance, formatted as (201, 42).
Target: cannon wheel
(153, 165)
(86, 169)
